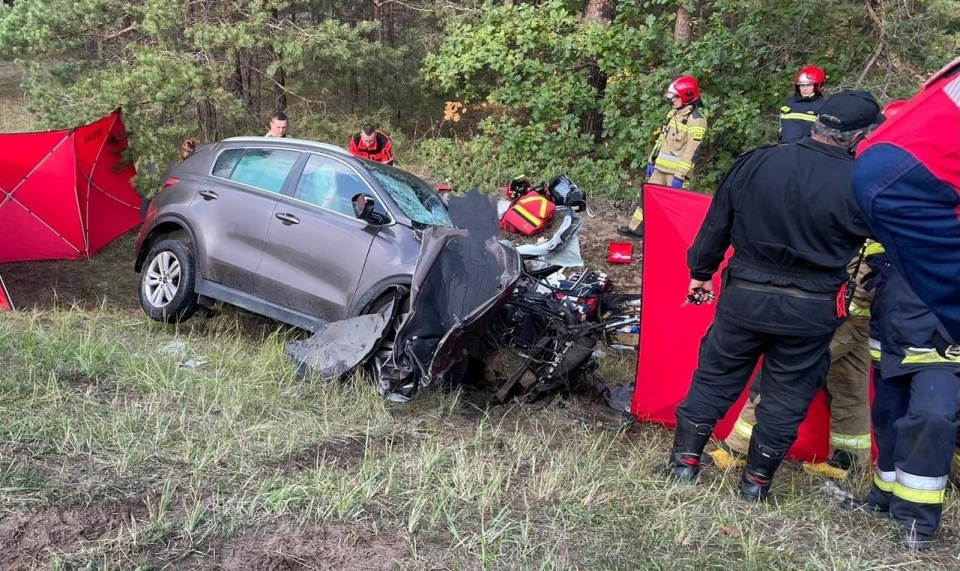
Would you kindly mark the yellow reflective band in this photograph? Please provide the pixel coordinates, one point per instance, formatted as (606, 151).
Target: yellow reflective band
(743, 428)
(672, 162)
(874, 347)
(925, 356)
(918, 496)
(694, 129)
(873, 249)
(858, 311)
(920, 489)
(528, 216)
(540, 199)
(798, 117)
(638, 215)
(850, 441)
(884, 480)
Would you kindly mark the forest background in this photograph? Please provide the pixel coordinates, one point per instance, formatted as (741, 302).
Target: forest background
(472, 92)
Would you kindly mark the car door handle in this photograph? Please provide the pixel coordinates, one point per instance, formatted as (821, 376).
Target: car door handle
(288, 219)
(209, 195)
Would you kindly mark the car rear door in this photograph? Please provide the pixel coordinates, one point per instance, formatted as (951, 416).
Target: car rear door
(316, 248)
(234, 210)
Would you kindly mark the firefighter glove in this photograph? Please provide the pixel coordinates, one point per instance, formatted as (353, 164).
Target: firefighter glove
(649, 171)
(676, 183)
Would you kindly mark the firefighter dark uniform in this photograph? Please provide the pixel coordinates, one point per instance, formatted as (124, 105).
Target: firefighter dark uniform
(794, 228)
(848, 389)
(678, 144)
(798, 113)
(908, 184)
(916, 400)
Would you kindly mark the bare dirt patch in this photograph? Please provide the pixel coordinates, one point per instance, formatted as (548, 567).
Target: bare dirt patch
(288, 546)
(343, 453)
(31, 541)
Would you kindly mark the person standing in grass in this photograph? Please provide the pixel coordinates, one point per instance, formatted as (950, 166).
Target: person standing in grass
(794, 226)
(677, 147)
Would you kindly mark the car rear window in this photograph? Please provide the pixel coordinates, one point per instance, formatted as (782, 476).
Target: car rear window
(262, 168)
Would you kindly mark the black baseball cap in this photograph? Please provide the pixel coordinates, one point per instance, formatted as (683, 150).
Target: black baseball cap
(850, 110)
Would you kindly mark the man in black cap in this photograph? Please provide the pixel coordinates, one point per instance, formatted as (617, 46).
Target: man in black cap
(794, 225)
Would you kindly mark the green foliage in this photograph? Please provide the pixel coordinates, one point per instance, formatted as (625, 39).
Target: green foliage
(178, 68)
(530, 65)
(526, 73)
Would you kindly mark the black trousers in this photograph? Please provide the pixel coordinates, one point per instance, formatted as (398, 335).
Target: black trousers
(794, 368)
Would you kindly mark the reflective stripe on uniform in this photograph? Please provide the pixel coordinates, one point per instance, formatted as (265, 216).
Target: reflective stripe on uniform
(857, 311)
(695, 130)
(873, 249)
(919, 489)
(884, 480)
(798, 117)
(850, 441)
(874, 346)
(743, 428)
(925, 355)
(672, 162)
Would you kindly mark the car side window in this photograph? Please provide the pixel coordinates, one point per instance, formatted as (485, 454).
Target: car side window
(226, 162)
(330, 184)
(264, 168)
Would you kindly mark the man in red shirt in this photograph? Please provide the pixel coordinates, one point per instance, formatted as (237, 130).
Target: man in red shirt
(372, 144)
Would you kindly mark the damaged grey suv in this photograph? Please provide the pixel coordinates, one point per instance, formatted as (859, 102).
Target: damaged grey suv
(294, 230)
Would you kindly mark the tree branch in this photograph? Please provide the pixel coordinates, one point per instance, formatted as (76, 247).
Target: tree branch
(118, 33)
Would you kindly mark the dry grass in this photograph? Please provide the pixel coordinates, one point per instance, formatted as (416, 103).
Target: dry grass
(115, 456)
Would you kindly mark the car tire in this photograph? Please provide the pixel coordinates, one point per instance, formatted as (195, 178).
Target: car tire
(168, 282)
(401, 297)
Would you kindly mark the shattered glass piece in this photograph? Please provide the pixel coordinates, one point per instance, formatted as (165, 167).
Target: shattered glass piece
(417, 200)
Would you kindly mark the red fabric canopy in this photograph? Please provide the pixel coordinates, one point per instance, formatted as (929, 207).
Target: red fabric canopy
(5, 304)
(65, 194)
(670, 334)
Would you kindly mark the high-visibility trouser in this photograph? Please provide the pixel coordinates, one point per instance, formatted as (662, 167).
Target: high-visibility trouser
(915, 423)
(658, 177)
(848, 387)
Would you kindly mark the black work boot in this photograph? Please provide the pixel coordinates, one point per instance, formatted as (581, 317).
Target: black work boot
(689, 440)
(757, 476)
(915, 541)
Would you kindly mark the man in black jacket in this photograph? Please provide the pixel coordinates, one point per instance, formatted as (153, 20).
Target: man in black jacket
(792, 220)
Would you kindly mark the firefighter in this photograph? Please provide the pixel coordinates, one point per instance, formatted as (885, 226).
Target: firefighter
(916, 400)
(848, 387)
(793, 225)
(800, 110)
(677, 146)
(908, 185)
(372, 144)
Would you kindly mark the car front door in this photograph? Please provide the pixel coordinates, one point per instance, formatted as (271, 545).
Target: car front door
(316, 248)
(234, 210)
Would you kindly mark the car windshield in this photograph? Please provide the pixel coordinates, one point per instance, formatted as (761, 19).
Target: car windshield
(416, 199)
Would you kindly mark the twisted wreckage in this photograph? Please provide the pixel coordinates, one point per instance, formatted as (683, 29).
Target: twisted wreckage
(475, 300)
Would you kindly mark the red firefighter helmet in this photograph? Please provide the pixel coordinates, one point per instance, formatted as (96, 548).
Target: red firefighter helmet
(810, 75)
(518, 187)
(893, 108)
(686, 88)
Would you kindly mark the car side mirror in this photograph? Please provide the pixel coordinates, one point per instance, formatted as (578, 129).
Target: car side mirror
(363, 205)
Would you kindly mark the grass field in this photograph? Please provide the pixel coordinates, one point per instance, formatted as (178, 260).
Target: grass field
(114, 455)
